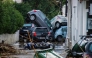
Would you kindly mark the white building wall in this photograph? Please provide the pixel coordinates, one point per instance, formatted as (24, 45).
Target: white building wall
(79, 20)
(10, 38)
(18, 1)
(84, 18)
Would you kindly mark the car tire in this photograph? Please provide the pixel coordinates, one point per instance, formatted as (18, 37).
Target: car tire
(60, 39)
(33, 16)
(57, 25)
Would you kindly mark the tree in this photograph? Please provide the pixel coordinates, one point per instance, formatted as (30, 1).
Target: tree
(49, 7)
(23, 8)
(10, 19)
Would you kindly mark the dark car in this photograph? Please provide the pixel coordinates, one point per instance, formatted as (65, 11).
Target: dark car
(23, 32)
(82, 48)
(40, 34)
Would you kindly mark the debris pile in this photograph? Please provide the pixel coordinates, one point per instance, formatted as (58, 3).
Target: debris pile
(6, 49)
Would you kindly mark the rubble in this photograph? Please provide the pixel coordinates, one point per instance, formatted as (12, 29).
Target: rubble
(6, 49)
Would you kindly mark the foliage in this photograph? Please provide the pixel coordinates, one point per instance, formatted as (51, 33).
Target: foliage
(10, 18)
(23, 8)
(48, 7)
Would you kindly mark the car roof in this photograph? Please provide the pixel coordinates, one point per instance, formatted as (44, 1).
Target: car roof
(59, 17)
(34, 11)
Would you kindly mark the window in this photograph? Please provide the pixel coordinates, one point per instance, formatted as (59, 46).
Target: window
(89, 23)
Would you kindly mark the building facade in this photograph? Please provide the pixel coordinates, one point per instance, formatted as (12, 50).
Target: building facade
(79, 19)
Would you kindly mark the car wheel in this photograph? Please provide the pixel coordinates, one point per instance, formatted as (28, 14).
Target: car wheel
(60, 39)
(57, 25)
(32, 17)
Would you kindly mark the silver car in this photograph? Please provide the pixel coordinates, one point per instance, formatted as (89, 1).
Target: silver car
(38, 18)
(58, 20)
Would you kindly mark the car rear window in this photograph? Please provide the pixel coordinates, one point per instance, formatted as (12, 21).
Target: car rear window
(41, 30)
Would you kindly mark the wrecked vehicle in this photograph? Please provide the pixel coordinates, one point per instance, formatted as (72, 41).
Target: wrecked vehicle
(49, 53)
(82, 48)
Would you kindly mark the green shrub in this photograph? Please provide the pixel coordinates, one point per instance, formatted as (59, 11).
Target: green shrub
(10, 18)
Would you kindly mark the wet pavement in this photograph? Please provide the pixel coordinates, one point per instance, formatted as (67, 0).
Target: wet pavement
(59, 48)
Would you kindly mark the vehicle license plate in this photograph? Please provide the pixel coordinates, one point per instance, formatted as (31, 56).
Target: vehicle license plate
(42, 37)
(25, 30)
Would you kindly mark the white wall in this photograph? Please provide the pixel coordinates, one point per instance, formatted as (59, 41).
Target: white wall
(84, 18)
(79, 20)
(10, 38)
(18, 1)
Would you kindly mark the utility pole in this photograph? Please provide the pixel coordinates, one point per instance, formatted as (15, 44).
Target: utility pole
(66, 8)
(60, 1)
(60, 5)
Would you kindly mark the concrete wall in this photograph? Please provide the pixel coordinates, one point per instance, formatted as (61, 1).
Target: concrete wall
(18, 1)
(10, 38)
